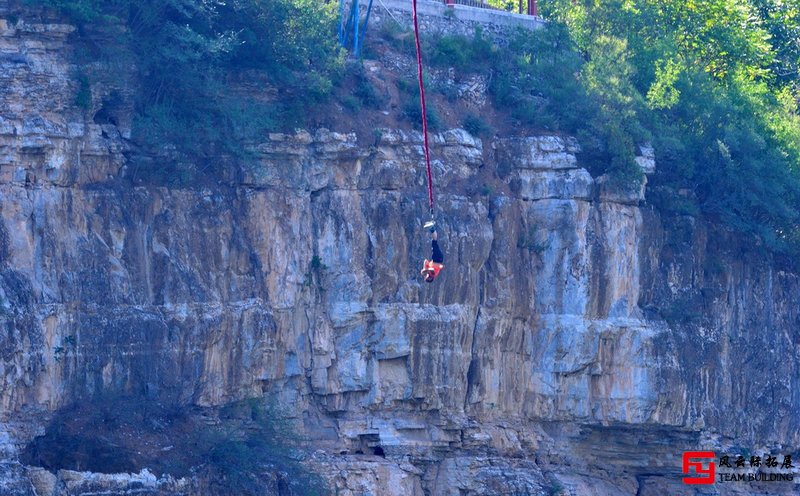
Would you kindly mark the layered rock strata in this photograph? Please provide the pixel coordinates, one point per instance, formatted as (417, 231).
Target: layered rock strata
(576, 343)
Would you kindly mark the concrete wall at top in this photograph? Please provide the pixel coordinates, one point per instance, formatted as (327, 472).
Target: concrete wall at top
(462, 19)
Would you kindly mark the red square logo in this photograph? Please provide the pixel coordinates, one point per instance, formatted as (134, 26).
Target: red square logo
(693, 465)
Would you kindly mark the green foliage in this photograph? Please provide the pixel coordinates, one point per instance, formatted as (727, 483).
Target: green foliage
(351, 103)
(401, 37)
(462, 52)
(80, 11)
(317, 264)
(451, 50)
(250, 440)
(448, 90)
(536, 82)
(411, 109)
(246, 450)
(555, 488)
(413, 113)
(533, 240)
(781, 19)
(507, 5)
(316, 271)
(477, 126)
(68, 345)
(662, 93)
(84, 97)
(714, 85)
(364, 90)
(189, 52)
(614, 123)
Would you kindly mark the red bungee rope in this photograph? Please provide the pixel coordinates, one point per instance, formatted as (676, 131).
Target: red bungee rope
(422, 104)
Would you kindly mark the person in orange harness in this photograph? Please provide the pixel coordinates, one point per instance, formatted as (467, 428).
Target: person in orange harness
(431, 268)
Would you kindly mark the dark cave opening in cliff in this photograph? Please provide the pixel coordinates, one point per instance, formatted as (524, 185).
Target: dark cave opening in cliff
(369, 444)
(110, 110)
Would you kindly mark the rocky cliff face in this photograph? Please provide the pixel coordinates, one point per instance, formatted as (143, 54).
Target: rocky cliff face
(576, 342)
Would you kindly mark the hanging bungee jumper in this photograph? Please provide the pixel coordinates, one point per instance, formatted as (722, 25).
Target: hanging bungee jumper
(349, 27)
(430, 268)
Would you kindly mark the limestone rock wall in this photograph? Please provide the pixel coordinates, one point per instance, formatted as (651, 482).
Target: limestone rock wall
(575, 341)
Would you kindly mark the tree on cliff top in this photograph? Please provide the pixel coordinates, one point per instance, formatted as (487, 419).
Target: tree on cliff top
(721, 85)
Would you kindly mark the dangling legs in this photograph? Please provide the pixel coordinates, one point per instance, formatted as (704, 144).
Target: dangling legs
(437, 256)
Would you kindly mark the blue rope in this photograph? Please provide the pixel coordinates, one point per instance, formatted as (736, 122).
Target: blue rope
(364, 30)
(341, 23)
(355, 27)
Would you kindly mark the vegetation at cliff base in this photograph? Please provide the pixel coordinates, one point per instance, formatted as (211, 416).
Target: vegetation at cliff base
(242, 448)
